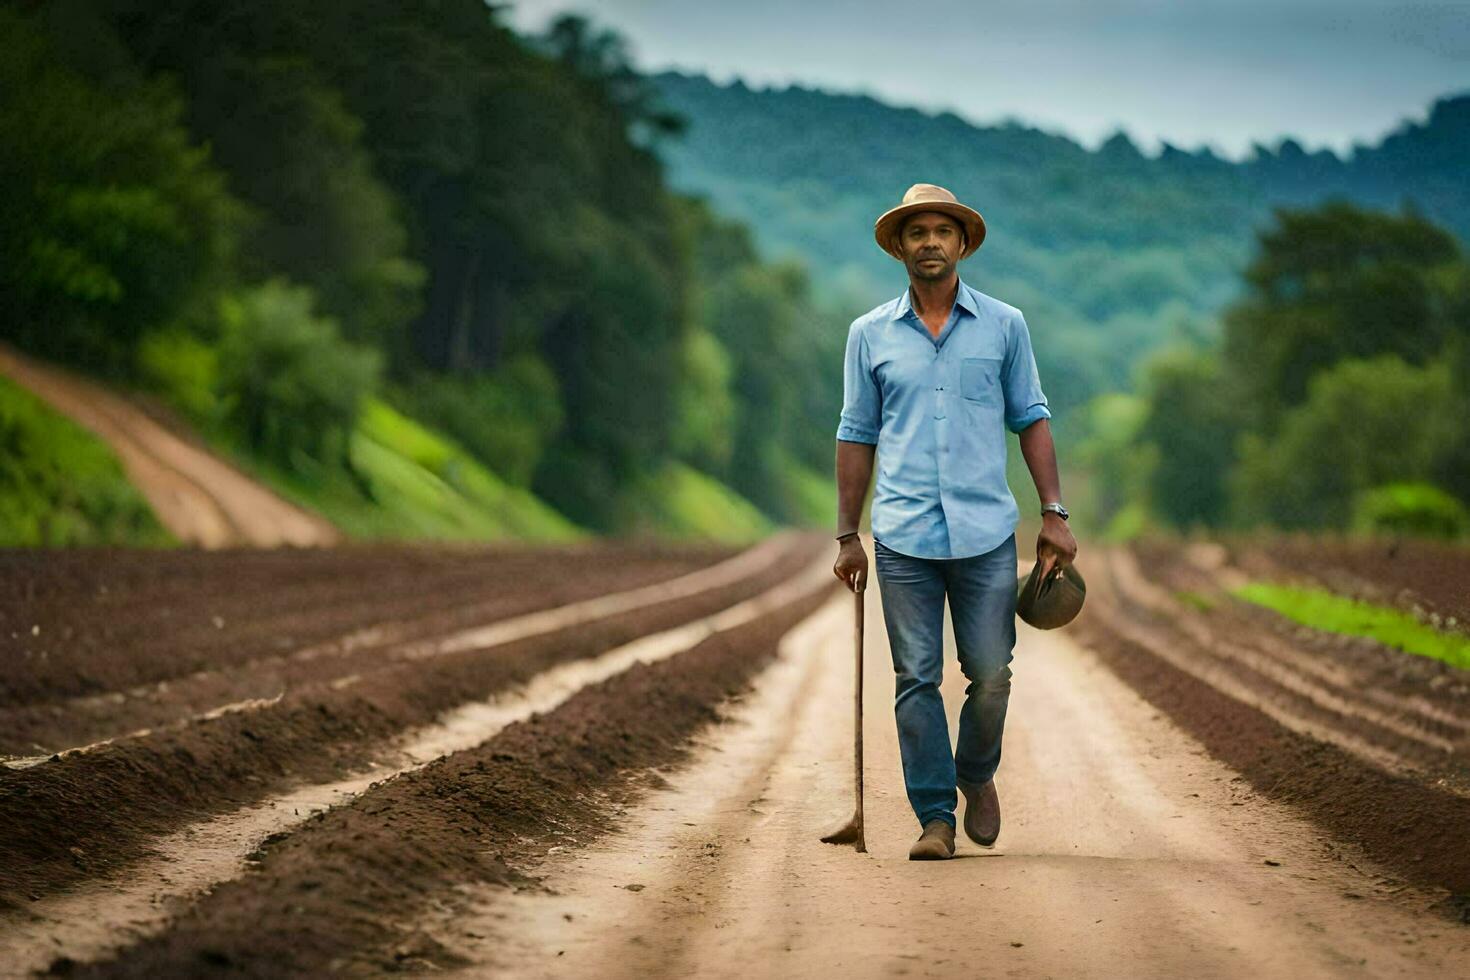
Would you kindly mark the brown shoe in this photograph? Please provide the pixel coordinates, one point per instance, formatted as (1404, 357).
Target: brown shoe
(982, 812)
(935, 844)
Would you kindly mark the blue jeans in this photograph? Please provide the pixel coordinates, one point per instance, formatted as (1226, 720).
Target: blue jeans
(982, 607)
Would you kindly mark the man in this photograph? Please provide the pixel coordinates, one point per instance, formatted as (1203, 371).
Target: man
(931, 382)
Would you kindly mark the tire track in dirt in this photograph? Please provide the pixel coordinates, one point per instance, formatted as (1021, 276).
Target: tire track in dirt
(199, 497)
(405, 840)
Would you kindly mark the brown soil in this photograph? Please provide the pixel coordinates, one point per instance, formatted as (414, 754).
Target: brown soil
(111, 640)
(338, 894)
(91, 813)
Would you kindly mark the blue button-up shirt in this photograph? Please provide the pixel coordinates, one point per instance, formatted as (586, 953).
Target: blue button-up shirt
(938, 409)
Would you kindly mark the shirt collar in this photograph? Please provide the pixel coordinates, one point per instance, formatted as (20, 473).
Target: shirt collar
(963, 298)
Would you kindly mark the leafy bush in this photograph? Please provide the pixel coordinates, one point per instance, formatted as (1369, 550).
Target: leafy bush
(679, 501)
(290, 384)
(705, 433)
(1420, 509)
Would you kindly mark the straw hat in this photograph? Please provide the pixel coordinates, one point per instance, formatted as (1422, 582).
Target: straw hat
(928, 197)
(1055, 601)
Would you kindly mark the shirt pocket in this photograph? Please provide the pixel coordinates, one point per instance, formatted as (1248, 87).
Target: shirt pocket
(980, 380)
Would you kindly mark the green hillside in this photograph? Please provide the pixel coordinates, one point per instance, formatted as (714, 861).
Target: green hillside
(1110, 253)
(60, 486)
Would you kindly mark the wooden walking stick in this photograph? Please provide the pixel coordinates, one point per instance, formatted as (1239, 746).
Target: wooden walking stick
(851, 832)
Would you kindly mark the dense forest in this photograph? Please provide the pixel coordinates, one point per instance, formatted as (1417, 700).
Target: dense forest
(280, 216)
(1335, 398)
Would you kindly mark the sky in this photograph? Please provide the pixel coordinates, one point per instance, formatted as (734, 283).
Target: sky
(1222, 73)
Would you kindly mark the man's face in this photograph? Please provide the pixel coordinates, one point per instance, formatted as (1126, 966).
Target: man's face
(931, 243)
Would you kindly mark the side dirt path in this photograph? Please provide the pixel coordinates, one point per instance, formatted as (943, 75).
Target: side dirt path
(199, 497)
(1125, 850)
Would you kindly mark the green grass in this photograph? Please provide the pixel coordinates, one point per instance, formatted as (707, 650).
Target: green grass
(61, 486)
(419, 484)
(1196, 599)
(678, 501)
(1337, 614)
(813, 494)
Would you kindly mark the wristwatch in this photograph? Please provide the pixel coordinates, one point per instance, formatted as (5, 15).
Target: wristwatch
(1056, 508)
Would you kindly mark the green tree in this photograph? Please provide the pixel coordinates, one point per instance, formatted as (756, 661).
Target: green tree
(1364, 423)
(321, 216)
(114, 221)
(1193, 416)
(1331, 283)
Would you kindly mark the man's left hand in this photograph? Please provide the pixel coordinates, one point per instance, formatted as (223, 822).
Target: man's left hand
(1055, 546)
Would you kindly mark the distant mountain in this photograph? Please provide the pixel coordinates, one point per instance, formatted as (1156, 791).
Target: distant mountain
(1109, 251)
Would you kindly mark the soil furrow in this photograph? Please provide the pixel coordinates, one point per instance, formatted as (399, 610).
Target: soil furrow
(1334, 713)
(1411, 825)
(94, 623)
(338, 894)
(512, 600)
(88, 922)
(92, 813)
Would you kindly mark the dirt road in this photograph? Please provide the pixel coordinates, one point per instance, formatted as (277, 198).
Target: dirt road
(198, 496)
(1125, 850)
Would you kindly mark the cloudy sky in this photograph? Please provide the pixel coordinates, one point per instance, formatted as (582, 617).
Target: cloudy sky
(1217, 72)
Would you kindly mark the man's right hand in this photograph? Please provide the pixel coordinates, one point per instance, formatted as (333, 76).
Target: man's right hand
(852, 563)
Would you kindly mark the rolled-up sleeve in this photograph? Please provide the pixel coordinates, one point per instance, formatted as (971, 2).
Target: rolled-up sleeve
(1025, 401)
(862, 402)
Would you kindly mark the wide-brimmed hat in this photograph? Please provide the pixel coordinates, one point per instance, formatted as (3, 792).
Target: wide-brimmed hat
(928, 197)
(1053, 601)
